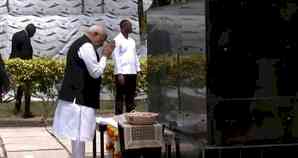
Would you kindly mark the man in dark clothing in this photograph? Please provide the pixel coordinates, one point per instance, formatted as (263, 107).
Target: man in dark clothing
(22, 48)
(4, 80)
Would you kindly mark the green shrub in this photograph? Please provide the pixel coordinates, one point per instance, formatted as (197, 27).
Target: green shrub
(188, 69)
(109, 81)
(45, 72)
(42, 72)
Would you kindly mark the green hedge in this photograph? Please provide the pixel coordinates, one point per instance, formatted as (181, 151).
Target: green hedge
(189, 69)
(109, 81)
(45, 72)
(42, 72)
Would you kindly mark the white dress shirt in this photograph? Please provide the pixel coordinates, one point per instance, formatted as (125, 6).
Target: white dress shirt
(73, 121)
(125, 56)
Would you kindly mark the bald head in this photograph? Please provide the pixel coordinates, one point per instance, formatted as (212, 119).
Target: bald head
(97, 34)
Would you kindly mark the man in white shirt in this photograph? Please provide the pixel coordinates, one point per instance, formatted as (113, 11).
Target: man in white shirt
(127, 66)
(79, 94)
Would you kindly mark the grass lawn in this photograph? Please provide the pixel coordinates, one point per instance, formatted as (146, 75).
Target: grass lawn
(39, 109)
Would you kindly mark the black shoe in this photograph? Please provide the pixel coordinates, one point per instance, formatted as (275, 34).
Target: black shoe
(16, 111)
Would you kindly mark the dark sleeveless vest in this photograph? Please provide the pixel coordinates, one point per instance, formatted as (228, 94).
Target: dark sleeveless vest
(77, 82)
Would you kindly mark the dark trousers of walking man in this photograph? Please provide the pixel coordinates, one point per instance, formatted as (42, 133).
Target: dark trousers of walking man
(26, 90)
(125, 93)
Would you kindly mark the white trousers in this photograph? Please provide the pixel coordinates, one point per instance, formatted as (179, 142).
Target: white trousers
(78, 149)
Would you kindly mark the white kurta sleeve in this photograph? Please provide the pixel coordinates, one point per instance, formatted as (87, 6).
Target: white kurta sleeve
(87, 54)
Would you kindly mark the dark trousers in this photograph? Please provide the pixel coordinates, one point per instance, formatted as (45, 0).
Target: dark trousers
(26, 89)
(125, 93)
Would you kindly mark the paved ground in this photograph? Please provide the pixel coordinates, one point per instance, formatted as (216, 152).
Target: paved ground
(31, 142)
(36, 142)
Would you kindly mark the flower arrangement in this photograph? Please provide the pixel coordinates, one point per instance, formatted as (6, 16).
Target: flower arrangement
(113, 144)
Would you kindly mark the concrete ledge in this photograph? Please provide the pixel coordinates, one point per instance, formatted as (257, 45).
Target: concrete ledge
(34, 122)
(19, 122)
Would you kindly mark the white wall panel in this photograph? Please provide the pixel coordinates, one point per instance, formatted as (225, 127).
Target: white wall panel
(45, 7)
(93, 6)
(60, 22)
(3, 37)
(121, 7)
(3, 6)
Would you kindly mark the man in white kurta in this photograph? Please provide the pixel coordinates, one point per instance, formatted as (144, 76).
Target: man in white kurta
(73, 120)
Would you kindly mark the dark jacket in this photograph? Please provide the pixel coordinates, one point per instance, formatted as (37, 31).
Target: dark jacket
(77, 82)
(4, 79)
(21, 46)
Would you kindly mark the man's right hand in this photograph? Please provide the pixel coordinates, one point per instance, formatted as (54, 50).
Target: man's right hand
(108, 49)
(120, 78)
